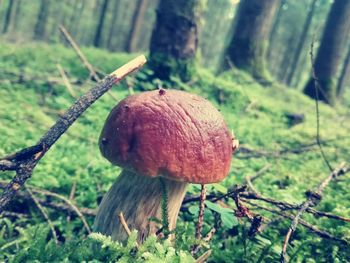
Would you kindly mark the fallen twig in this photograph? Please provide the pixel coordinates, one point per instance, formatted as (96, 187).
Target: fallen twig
(25, 160)
(248, 153)
(210, 235)
(42, 210)
(124, 224)
(68, 202)
(319, 232)
(313, 199)
(317, 89)
(288, 206)
(204, 256)
(66, 81)
(12, 214)
(50, 203)
(235, 189)
(82, 57)
(249, 179)
(71, 196)
(199, 225)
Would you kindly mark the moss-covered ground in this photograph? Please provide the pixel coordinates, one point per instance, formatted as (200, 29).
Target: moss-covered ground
(30, 104)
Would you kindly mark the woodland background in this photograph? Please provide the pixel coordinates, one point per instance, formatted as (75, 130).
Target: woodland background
(251, 58)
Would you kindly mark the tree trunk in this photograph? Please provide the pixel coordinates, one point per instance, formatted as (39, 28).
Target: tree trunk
(285, 62)
(98, 34)
(217, 19)
(301, 43)
(343, 75)
(329, 53)
(17, 15)
(40, 26)
(249, 42)
(8, 17)
(136, 24)
(299, 72)
(78, 14)
(114, 23)
(174, 39)
(275, 26)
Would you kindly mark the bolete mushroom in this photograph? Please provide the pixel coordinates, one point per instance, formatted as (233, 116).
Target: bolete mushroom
(161, 138)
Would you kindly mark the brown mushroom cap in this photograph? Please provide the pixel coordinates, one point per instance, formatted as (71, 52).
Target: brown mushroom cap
(168, 133)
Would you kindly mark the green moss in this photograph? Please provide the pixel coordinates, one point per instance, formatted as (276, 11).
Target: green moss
(166, 67)
(255, 114)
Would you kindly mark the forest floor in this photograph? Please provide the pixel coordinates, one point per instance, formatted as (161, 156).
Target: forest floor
(32, 96)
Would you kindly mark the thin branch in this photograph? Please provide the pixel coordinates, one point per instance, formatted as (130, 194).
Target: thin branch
(66, 81)
(319, 232)
(249, 179)
(6, 165)
(199, 225)
(50, 203)
(235, 189)
(124, 224)
(43, 212)
(288, 206)
(82, 57)
(27, 162)
(12, 214)
(328, 215)
(317, 89)
(68, 202)
(210, 235)
(313, 199)
(248, 153)
(71, 196)
(204, 256)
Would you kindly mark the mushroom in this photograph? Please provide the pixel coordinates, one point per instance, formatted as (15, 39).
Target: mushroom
(161, 139)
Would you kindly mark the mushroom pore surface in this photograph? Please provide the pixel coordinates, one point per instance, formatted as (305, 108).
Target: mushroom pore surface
(168, 133)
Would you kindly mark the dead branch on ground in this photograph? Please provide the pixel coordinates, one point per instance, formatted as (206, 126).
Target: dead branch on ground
(82, 57)
(199, 225)
(317, 89)
(80, 54)
(313, 198)
(315, 230)
(45, 215)
(25, 160)
(66, 81)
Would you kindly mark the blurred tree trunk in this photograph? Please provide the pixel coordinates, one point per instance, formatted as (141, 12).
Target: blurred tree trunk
(329, 53)
(136, 24)
(275, 26)
(301, 43)
(216, 16)
(73, 14)
(343, 75)
(115, 16)
(8, 17)
(303, 66)
(17, 14)
(78, 11)
(98, 33)
(40, 26)
(248, 46)
(174, 39)
(285, 62)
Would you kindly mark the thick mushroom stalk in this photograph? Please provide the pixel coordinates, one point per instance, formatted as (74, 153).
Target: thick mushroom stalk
(139, 198)
(160, 136)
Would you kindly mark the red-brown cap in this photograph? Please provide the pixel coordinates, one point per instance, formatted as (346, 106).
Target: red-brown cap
(168, 133)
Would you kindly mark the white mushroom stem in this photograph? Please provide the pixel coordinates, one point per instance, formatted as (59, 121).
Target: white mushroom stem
(139, 198)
